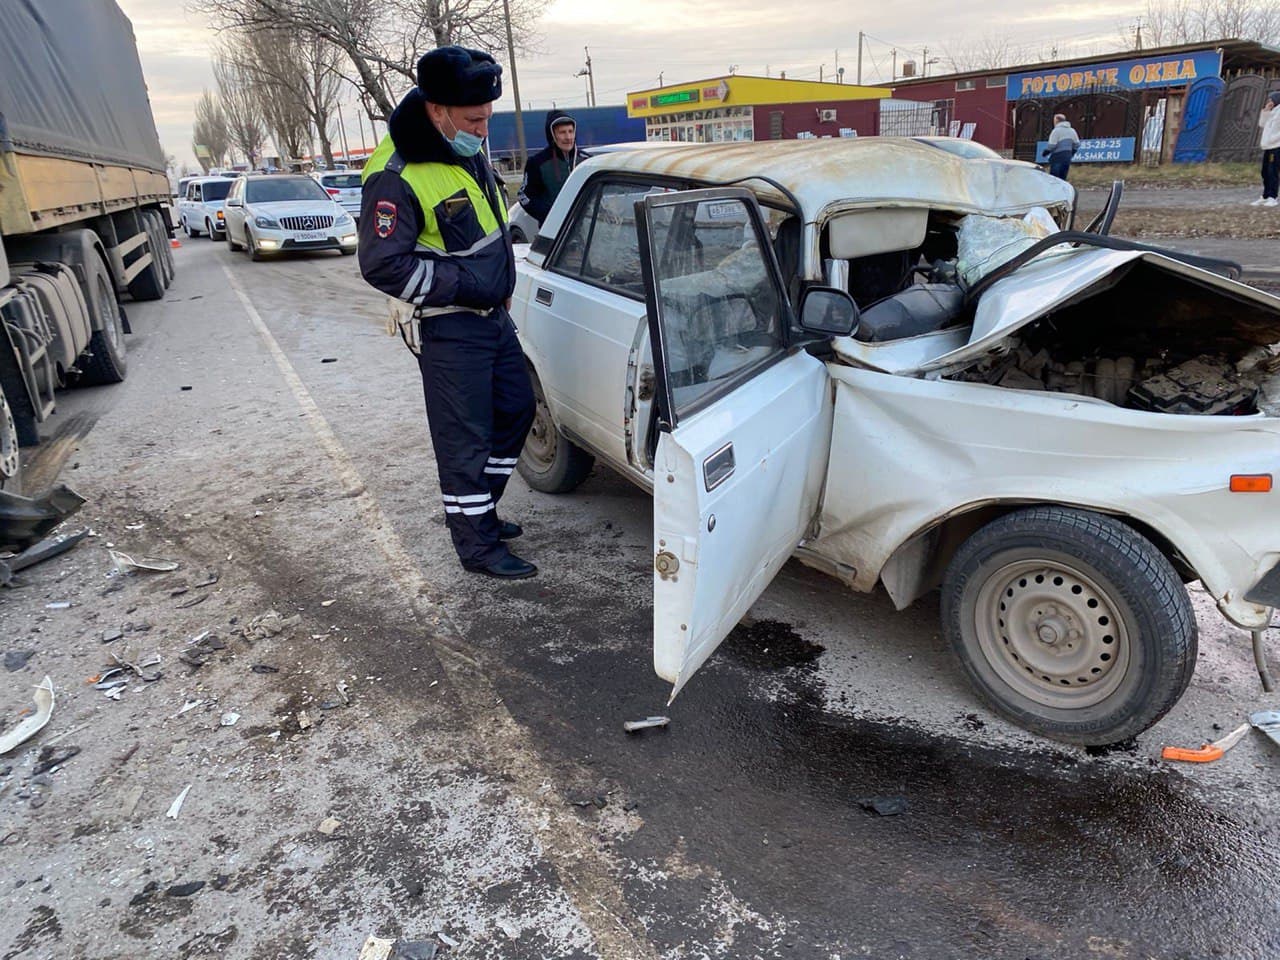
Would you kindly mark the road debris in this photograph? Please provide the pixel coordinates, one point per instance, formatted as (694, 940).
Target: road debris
(447, 940)
(1207, 752)
(59, 605)
(140, 668)
(185, 889)
(110, 679)
(46, 549)
(189, 705)
(376, 948)
(33, 724)
(15, 660)
(328, 825)
(200, 598)
(270, 624)
(884, 806)
(127, 564)
(631, 726)
(264, 668)
(115, 693)
(342, 692)
(1268, 721)
(50, 758)
(327, 603)
(26, 520)
(112, 635)
(304, 721)
(229, 719)
(176, 807)
(380, 948)
(213, 578)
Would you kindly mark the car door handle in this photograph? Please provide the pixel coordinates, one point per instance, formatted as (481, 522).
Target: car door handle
(718, 467)
(544, 296)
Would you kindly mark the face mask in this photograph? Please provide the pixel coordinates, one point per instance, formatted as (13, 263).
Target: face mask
(464, 144)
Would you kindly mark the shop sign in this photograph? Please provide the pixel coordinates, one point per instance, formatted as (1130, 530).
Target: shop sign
(719, 92)
(1100, 150)
(639, 103)
(674, 98)
(1126, 74)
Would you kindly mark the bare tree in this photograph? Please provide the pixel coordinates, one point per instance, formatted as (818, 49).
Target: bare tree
(988, 52)
(381, 40)
(1170, 22)
(210, 130)
(269, 60)
(246, 128)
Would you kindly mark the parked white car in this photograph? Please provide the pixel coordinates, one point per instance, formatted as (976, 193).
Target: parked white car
(200, 207)
(275, 213)
(882, 356)
(344, 187)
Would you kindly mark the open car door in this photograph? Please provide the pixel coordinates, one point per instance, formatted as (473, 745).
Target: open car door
(743, 419)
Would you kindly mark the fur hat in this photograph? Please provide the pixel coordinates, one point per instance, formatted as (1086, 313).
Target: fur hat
(459, 77)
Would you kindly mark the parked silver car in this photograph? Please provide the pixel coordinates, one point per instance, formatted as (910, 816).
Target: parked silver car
(344, 187)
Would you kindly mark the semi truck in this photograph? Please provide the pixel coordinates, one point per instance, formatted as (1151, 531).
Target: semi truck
(84, 208)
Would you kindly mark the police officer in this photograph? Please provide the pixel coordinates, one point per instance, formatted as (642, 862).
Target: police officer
(433, 234)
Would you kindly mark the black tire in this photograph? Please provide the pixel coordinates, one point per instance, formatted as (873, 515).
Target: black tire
(255, 254)
(1069, 623)
(213, 234)
(10, 456)
(550, 462)
(186, 228)
(345, 252)
(231, 242)
(149, 284)
(104, 361)
(161, 247)
(517, 235)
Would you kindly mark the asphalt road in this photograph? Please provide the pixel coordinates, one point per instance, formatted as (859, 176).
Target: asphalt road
(272, 435)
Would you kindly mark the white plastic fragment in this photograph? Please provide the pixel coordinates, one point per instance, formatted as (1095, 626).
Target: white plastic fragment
(328, 825)
(631, 726)
(176, 807)
(33, 724)
(127, 564)
(58, 605)
(376, 948)
(189, 705)
(115, 693)
(447, 940)
(229, 718)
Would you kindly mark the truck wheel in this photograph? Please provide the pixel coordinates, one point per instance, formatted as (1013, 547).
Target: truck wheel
(166, 251)
(1069, 623)
(550, 462)
(10, 458)
(159, 247)
(104, 361)
(149, 284)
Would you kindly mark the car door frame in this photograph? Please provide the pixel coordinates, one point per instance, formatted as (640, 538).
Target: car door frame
(785, 453)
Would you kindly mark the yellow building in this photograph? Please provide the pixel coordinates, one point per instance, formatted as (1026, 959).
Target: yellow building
(736, 107)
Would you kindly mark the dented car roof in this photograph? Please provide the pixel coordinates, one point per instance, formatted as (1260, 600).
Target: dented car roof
(854, 171)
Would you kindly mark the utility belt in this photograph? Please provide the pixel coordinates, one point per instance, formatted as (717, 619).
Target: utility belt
(406, 320)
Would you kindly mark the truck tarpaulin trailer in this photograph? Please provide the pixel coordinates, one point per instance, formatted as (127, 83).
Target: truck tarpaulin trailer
(84, 201)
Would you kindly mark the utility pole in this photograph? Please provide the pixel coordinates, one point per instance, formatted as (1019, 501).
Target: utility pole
(924, 62)
(860, 35)
(360, 120)
(820, 66)
(839, 72)
(342, 135)
(515, 85)
(1138, 37)
(659, 78)
(591, 80)
(893, 70)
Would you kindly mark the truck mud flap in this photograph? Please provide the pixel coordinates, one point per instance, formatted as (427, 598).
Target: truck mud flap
(25, 520)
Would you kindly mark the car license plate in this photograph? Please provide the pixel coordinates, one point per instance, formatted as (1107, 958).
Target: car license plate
(305, 237)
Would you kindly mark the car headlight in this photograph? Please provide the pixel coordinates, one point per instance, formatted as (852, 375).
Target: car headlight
(344, 220)
(266, 223)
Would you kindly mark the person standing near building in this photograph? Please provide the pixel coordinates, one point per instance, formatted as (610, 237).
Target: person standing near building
(433, 234)
(1063, 144)
(548, 169)
(1269, 121)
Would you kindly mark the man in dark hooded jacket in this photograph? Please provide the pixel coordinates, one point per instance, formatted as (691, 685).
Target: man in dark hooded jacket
(548, 169)
(433, 234)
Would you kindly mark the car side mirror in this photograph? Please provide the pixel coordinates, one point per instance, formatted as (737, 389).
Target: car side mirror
(235, 202)
(828, 311)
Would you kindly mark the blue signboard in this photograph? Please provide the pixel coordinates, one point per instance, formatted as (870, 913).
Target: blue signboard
(1136, 74)
(1101, 150)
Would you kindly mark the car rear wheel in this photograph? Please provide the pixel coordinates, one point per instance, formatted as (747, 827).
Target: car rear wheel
(550, 462)
(1069, 623)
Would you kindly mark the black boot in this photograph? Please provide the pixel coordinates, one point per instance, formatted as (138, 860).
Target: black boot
(508, 530)
(509, 567)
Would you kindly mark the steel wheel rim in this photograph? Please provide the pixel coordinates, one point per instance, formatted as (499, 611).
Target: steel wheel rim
(1052, 633)
(8, 441)
(541, 442)
(110, 311)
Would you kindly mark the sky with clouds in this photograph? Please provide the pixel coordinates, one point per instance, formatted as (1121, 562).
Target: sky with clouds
(631, 43)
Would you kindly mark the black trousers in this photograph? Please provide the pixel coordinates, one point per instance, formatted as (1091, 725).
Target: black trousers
(1271, 172)
(479, 407)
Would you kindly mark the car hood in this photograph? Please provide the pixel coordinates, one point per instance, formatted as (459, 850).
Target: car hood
(1036, 290)
(296, 208)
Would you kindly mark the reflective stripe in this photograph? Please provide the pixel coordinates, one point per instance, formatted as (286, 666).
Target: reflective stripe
(469, 511)
(465, 498)
(476, 247)
(503, 461)
(419, 283)
(501, 471)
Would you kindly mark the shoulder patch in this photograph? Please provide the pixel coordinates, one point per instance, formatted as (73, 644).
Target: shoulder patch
(384, 218)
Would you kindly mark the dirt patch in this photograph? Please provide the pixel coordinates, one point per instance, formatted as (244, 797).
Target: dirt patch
(1233, 222)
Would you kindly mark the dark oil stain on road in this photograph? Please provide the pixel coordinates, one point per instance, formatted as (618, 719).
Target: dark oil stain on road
(1036, 853)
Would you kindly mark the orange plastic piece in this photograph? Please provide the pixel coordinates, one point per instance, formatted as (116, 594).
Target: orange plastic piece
(1251, 483)
(175, 242)
(1206, 754)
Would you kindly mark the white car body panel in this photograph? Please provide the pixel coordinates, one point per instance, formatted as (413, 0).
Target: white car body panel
(727, 546)
(907, 453)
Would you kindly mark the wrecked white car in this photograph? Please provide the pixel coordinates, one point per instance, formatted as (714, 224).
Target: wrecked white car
(898, 363)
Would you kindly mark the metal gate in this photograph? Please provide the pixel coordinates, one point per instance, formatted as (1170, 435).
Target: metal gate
(1236, 139)
(1199, 120)
(1095, 114)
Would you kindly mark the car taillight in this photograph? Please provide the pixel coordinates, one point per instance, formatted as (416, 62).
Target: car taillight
(333, 191)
